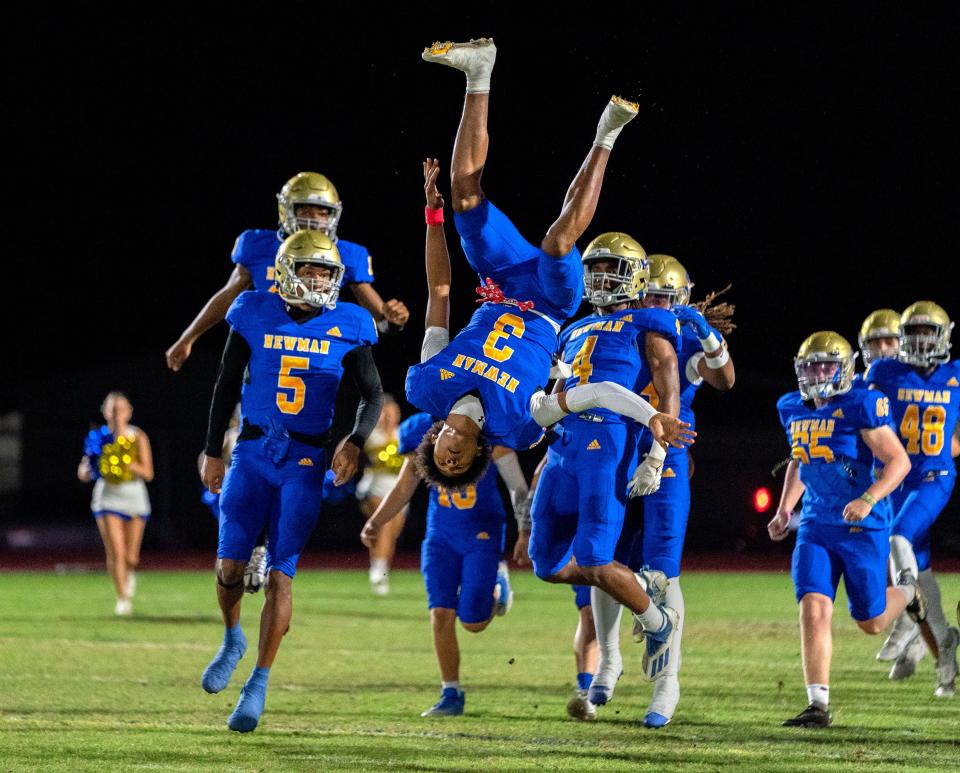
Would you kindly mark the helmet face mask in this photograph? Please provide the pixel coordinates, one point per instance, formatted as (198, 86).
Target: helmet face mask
(925, 332)
(312, 288)
(303, 221)
(623, 278)
(313, 190)
(824, 366)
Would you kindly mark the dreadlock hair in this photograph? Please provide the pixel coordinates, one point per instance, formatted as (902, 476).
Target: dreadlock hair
(718, 315)
(432, 475)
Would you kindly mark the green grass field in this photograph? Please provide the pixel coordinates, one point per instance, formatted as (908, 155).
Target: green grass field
(81, 690)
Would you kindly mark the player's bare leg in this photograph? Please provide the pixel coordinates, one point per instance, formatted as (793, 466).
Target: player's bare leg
(475, 59)
(229, 596)
(275, 617)
(444, 624)
(585, 652)
(816, 647)
(580, 203)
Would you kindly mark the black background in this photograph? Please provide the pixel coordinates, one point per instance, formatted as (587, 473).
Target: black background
(810, 158)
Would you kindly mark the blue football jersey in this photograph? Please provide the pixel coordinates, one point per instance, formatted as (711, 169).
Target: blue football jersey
(835, 463)
(256, 250)
(295, 368)
(611, 347)
(479, 507)
(503, 355)
(924, 411)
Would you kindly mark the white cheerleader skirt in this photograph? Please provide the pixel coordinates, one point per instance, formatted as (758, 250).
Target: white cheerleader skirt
(375, 484)
(128, 499)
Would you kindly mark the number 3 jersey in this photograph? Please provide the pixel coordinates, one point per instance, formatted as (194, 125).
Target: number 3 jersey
(836, 465)
(295, 367)
(477, 509)
(504, 356)
(924, 411)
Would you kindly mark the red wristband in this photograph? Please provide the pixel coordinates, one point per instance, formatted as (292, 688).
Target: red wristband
(433, 216)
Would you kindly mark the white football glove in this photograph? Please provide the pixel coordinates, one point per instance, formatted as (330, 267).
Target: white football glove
(646, 478)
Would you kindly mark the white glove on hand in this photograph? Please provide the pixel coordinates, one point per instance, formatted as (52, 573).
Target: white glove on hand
(646, 478)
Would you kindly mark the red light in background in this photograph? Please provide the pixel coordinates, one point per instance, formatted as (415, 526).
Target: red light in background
(761, 500)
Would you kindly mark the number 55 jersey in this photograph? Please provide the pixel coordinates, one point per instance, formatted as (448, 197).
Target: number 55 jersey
(295, 367)
(836, 465)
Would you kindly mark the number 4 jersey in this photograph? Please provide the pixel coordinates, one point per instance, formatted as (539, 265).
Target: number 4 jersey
(835, 463)
(924, 411)
(295, 367)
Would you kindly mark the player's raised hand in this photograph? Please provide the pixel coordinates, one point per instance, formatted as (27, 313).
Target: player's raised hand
(670, 431)
(345, 462)
(693, 319)
(431, 171)
(177, 354)
(395, 312)
(856, 510)
(370, 533)
(212, 471)
(779, 525)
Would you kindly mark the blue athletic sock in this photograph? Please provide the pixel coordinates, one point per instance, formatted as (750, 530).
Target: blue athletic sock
(584, 680)
(233, 635)
(260, 675)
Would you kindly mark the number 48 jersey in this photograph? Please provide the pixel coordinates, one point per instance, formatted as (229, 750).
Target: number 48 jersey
(295, 367)
(925, 411)
(835, 463)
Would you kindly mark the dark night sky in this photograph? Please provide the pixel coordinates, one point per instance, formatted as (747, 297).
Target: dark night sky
(811, 159)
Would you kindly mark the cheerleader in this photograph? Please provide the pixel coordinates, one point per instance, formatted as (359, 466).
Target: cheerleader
(384, 462)
(117, 456)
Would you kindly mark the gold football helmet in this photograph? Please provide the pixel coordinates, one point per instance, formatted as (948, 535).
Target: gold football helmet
(314, 248)
(668, 277)
(925, 334)
(883, 323)
(627, 281)
(316, 190)
(824, 365)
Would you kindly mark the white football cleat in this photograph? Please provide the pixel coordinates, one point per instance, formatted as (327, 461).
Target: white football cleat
(654, 584)
(659, 651)
(905, 666)
(903, 631)
(666, 696)
(580, 707)
(475, 58)
(124, 608)
(255, 572)
(617, 114)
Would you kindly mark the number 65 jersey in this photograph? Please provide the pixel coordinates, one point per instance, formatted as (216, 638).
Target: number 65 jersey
(295, 367)
(925, 411)
(836, 465)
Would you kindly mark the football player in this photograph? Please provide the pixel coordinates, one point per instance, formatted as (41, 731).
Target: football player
(486, 384)
(580, 501)
(923, 385)
(296, 346)
(663, 480)
(307, 201)
(460, 556)
(879, 337)
(835, 433)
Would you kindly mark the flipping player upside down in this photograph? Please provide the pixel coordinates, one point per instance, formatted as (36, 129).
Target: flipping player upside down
(487, 383)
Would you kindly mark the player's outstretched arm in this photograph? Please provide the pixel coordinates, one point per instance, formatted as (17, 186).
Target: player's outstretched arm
(213, 311)
(889, 451)
(793, 489)
(393, 503)
(667, 430)
(226, 393)
(437, 323)
(508, 465)
(521, 549)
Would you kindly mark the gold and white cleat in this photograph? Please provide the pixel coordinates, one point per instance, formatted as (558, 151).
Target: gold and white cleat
(619, 112)
(480, 52)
